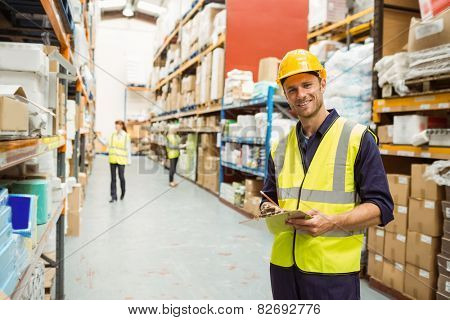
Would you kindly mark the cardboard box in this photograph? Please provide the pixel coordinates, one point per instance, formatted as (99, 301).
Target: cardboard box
(375, 242)
(445, 250)
(200, 178)
(395, 23)
(268, 69)
(208, 140)
(375, 265)
(400, 222)
(421, 250)
(421, 188)
(399, 185)
(405, 127)
(419, 283)
(425, 217)
(395, 247)
(446, 209)
(411, 4)
(442, 296)
(394, 275)
(211, 182)
(13, 113)
(446, 228)
(188, 84)
(75, 198)
(429, 34)
(251, 205)
(253, 186)
(217, 73)
(73, 223)
(211, 165)
(447, 193)
(385, 133)
(443, 265)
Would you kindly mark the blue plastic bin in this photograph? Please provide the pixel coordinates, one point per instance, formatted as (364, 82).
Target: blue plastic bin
(5, 216)
(3, 196)
(23, 207)
(5, 234)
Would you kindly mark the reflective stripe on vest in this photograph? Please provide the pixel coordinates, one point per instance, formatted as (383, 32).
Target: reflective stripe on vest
(328, 187)
(118, 152)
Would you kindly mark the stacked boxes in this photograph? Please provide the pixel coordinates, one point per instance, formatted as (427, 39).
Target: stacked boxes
(252, 198)
(424, 235)
(206, 22)
(443, 259)
(188, 90)
(375, 246)
(208, 162)
(74, 210)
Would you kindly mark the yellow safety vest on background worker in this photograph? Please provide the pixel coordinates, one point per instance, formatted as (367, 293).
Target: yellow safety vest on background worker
(173, 146)
(118, 148)
(329, 187)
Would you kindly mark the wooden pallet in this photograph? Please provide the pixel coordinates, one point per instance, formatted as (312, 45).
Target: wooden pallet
(421, 86)
(319, 26)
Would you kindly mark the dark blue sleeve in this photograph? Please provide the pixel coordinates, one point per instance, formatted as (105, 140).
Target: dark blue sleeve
(371, 180)
(270, 184)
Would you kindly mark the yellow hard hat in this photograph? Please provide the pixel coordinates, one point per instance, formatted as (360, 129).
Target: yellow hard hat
(299, 61)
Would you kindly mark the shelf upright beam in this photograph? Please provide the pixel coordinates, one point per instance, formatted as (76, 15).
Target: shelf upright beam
(222, 117)
(377, 43)
(269, 127)
(57, 25)
(60, 228)
(77, 141)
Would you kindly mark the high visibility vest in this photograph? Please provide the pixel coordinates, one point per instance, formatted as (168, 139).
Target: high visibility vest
(173, 146)
(118, 148)
(329, 187)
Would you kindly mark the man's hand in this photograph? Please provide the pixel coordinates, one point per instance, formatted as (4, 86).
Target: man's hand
(317, 225)
(268, 208)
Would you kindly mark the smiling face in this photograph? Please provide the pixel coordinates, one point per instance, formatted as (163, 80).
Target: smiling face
(304, 93)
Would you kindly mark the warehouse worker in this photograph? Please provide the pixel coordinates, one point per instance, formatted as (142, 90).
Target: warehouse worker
(329, 168)
(119, 155)
(173, 152)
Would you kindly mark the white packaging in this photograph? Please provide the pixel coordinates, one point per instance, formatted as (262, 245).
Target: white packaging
(405, 127)
(206, 22)
(25, 57)
(217, 73)
(321, 11)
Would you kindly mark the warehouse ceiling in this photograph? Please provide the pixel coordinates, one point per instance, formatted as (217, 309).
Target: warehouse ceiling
(141, 9)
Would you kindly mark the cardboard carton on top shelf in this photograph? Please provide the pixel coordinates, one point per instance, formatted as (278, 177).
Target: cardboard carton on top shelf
(385, 133)
(425, 217)
(375, 265)
(395, 247)
(13, 112)
(431, 33)
(375, 242)
(399, 185)
(420, 283)
(268, 69)
(394, 275)
(400, 222)
(395, 24)
(421, 250)
(421, 188)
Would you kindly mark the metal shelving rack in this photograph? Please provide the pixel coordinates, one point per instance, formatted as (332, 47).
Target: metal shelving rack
(16, 152)
(265, 103)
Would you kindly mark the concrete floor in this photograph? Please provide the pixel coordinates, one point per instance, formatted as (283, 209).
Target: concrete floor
(163, 243)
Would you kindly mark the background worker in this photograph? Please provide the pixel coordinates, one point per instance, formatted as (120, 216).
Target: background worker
(331, 169)
(173, 145)
(119, 149)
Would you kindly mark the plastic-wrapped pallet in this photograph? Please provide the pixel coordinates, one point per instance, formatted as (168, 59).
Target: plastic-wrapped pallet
(322, 11)
(206, 22)
(220, 24)
(238, 85)
(217, 73)
(349, 82)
